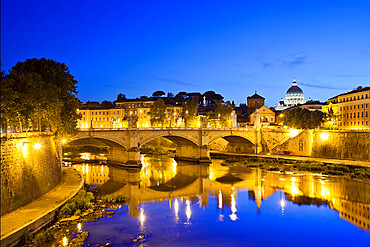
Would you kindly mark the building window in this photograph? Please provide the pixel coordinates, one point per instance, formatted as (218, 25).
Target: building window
(99, 113)
(103, 113)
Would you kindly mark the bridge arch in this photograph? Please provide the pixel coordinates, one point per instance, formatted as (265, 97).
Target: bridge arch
(233, 143)
(99, 141)
(178, 139)
(232, 138)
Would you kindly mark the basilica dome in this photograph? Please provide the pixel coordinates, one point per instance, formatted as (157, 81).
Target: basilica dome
(294, 95)
(294, 90)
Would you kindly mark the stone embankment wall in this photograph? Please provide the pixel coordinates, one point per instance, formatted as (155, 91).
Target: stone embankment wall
(330, 144)
(27, 172)
(342, 144)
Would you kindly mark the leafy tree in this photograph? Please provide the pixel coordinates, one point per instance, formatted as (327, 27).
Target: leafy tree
(158, 93)
(157, 113)
(44, 96)
(222, 113)
(212, 97)
(189, 114)
(303, 118)
(121, 97)
(170, 95)
(180, 97)
(107, 104)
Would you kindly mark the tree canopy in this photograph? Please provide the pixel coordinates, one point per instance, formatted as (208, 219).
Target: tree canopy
(303, 118)
(157, 113)
(222, 113)
(121, 97)
(158, 93)
(189, 113)
(40, 94)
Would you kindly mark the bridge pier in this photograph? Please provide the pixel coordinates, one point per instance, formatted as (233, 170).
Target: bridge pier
(193, 153)
(258, 141)
(125, 157)
(133, 157)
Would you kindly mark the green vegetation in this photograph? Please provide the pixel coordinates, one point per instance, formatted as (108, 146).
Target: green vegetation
(221, 114)
(86, 148)
(292, 166)
(78, 204)
(115, 199)
(189, 114)
(158, 146)
(157, 113)
(303, 119)
(40, 238)
(39, 94)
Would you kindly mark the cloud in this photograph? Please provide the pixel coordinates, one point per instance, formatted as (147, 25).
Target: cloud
(288, 61)
(321, 86)
(266, 65)
(295, 61)
(169, 80)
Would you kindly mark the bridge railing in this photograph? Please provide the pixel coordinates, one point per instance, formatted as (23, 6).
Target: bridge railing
(159, 128)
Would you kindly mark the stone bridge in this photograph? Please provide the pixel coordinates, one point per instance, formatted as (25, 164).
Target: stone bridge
(192, 144)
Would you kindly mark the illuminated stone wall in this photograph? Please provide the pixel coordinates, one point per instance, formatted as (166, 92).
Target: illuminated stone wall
(27, 172)
(342, 144)
(329, 144)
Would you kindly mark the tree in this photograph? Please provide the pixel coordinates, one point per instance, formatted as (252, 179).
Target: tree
(158, 93)
(157, 113)
(180, 97)
(45, 96)
(222, 113)
(107, 104)
(189, 113)
(211, 97)
(121, 97)
(303, 118)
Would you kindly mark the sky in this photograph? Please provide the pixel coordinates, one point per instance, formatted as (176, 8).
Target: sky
(234, 48)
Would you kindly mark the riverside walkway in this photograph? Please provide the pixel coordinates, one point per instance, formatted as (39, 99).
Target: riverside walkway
(301, 158)
(40, 212)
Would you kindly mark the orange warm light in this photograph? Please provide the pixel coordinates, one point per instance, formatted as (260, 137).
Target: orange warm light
(293, 132)
(37, 146)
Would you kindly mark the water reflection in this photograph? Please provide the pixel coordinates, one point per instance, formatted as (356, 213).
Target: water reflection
(185, 185)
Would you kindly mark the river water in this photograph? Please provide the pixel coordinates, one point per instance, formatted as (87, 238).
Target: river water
(186, 204)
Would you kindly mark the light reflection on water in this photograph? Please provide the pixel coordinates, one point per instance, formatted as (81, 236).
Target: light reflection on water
(185, 203)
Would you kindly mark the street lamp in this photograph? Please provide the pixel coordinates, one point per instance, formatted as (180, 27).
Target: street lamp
(37, 146)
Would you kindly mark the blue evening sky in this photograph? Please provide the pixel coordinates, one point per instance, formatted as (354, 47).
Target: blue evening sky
(136, 47)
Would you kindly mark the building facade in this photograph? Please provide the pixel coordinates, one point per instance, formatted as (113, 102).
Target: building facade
(267, 116)
(350, 110)
(95, 116)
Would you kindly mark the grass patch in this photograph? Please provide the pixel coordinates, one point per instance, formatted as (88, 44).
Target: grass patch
(78, 204)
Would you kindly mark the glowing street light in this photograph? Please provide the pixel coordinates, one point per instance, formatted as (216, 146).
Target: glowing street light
(293, 132)
(37, 146)
(324, 136)
(64, 141)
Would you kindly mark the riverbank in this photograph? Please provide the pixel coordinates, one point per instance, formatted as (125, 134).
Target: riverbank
(37, 214)
(351, 169)
(291, 158)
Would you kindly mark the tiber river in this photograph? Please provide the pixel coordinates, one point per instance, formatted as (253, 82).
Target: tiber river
(186, 204)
